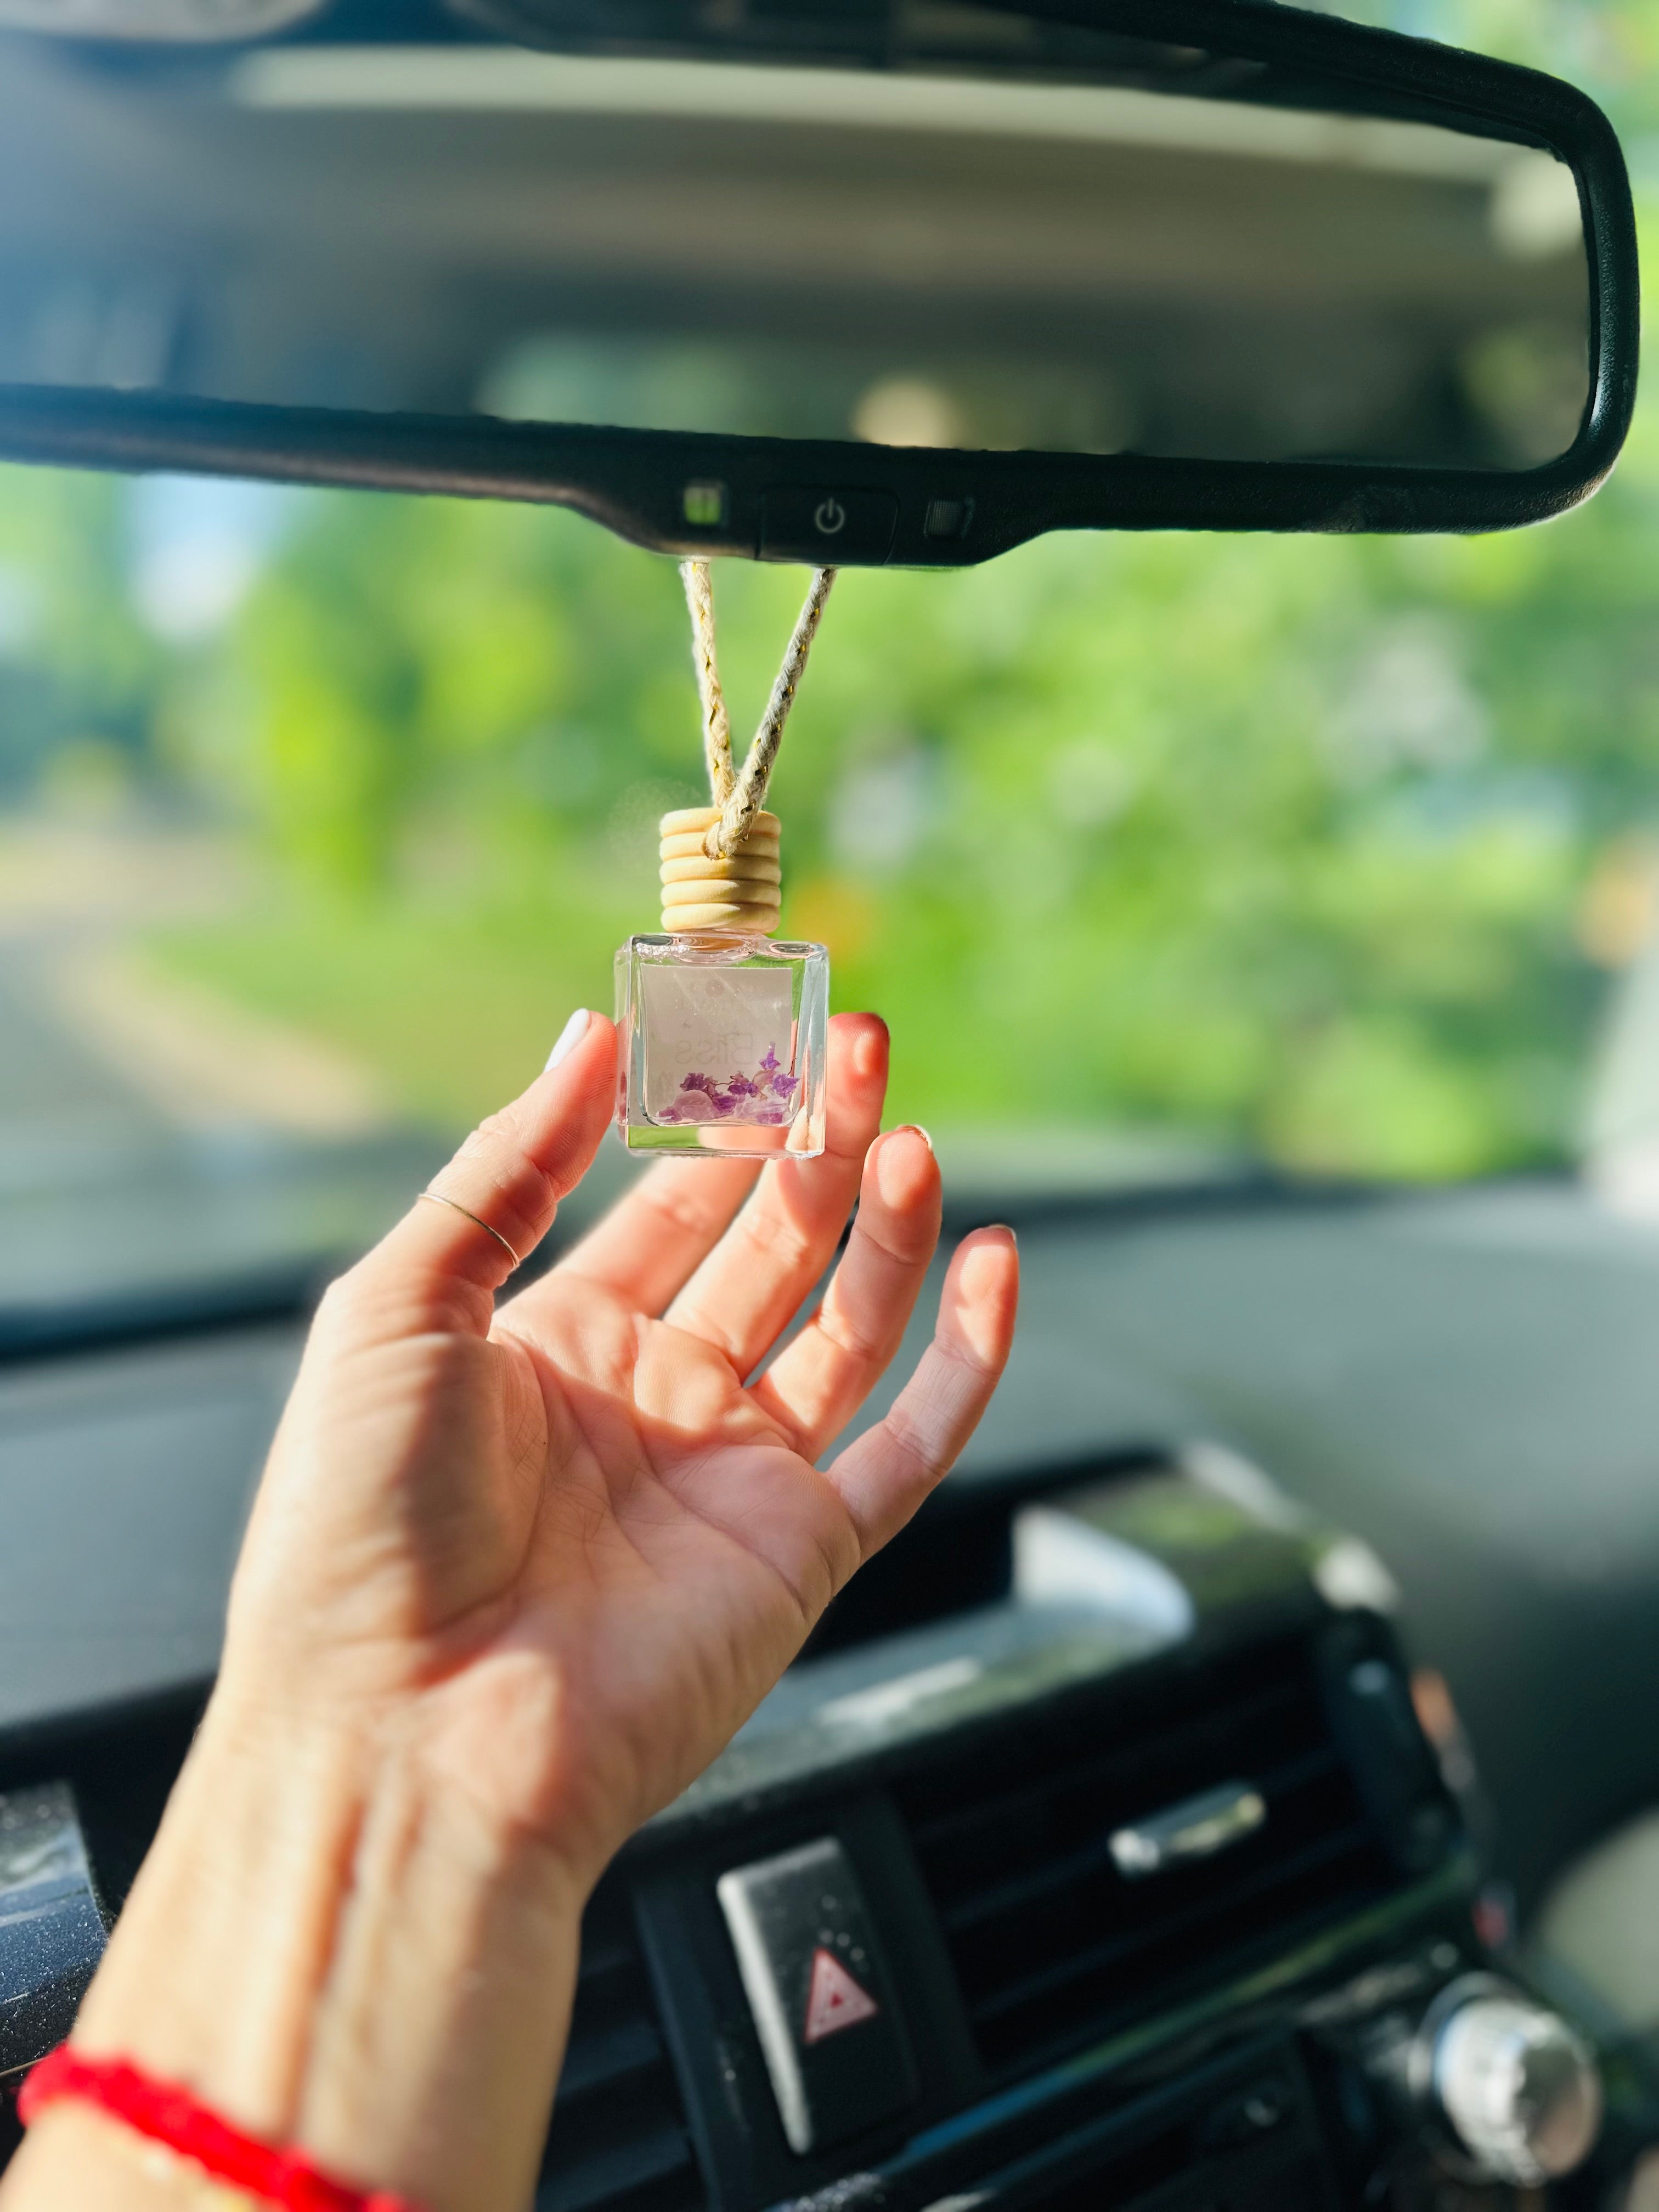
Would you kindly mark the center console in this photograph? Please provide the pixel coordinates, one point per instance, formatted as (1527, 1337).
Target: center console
(1091, 1859)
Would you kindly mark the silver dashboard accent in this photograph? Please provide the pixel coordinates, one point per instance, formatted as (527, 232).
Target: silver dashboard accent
(1197, 1828)
(41, 1853)
(1520, 2087)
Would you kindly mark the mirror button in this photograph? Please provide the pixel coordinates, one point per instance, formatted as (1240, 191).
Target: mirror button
(818, 523)
(823, 2002)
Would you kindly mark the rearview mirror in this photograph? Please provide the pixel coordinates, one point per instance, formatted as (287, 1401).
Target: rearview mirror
(901, 284)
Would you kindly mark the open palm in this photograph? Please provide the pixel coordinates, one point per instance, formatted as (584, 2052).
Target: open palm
(568, 1544)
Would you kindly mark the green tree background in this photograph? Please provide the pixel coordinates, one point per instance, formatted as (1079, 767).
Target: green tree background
(1311, 846)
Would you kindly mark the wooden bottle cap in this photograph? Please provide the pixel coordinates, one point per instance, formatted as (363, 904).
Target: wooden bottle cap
(742, 867)
(741, 891)
(702, 819)
(689, 844)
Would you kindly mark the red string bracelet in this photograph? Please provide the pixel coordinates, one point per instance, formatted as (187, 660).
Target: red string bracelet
(171, 2116)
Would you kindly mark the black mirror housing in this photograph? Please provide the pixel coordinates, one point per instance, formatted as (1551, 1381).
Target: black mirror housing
(869, 504)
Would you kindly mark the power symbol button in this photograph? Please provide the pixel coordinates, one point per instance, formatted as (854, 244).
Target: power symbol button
(822, 522)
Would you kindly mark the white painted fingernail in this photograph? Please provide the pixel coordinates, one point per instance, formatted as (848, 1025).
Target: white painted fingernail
(569, 1037)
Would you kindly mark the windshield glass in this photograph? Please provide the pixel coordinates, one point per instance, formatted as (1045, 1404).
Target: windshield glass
(1162, 854)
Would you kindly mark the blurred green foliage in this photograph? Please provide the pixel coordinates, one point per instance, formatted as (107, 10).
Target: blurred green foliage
(1282, 843)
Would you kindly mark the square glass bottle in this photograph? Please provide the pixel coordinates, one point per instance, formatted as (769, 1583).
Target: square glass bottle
(722, 1042)
(722, 1029)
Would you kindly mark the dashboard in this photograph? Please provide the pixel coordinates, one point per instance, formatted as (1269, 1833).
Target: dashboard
(1091, 1853)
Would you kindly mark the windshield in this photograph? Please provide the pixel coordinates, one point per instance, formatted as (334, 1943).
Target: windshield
(1165, 855)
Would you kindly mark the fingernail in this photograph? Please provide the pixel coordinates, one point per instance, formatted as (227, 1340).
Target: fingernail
(569, 1037)
(915, 1129)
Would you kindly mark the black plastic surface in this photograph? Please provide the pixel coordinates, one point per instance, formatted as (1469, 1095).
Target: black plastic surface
(51, 1932)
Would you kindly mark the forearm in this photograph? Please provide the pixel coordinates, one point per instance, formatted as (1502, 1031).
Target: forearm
(329, 1949)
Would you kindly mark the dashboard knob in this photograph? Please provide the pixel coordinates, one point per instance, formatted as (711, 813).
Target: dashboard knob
(1518, 2086)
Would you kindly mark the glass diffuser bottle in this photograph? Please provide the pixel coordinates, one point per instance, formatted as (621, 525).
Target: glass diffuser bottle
(722, 1027)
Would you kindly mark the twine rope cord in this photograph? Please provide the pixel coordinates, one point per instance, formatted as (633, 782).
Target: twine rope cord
(741, 799)
(699, 584)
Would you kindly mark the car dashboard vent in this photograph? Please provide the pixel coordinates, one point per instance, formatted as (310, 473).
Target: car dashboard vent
(619, 2138)
(1053, 1941)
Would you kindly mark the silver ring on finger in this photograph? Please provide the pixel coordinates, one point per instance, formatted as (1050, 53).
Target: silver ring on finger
(437, 1198)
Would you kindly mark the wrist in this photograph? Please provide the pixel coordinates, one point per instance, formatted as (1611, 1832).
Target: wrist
(332, 1949)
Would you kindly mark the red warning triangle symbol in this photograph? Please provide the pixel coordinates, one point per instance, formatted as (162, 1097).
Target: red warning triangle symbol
(834, 1999)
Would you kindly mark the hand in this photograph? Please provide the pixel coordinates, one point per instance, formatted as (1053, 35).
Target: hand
(569, 1546)
(512, 1578)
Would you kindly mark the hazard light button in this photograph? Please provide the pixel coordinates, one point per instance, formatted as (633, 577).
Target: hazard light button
(823, 2005)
